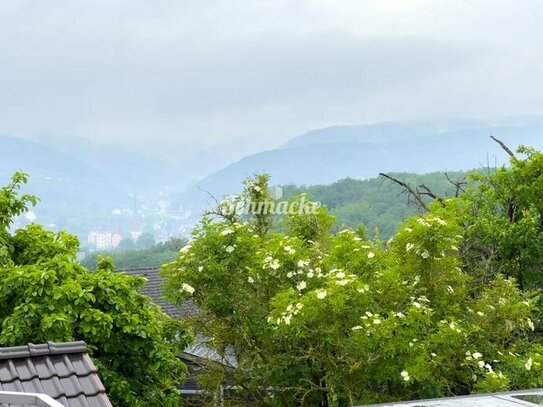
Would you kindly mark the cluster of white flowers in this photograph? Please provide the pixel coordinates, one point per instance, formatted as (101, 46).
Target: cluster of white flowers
(230, 248)
(371, 255)
(439, 221)
(303, 263)
(286, 316)
(301, 286)
(187, 288)
(200, 269)
(423, 222)
(530, 324)
(528, 364)
(290, 249)
(405, 375)
(227, 232)
(321, 294)
(186, 248)
(364, 289)
(409, 247)
(250, 280)
(477, 356)
(370, 320)
(270, 262)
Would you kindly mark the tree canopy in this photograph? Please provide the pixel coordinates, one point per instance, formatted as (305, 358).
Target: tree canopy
(318, 318)
(46, 296)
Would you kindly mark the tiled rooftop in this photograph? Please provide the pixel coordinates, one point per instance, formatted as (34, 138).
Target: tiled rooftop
(153, 289)
(63, 371)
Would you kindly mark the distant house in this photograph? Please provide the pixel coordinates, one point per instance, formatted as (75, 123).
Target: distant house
(198, 355)
(62, 371)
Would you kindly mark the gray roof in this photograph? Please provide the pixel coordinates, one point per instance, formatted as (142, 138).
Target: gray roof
(63, 371)
(510, 399)
(153, 289)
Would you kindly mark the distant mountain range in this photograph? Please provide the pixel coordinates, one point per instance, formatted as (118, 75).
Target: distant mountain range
(326, 155)
(78, 170)
(82, 181)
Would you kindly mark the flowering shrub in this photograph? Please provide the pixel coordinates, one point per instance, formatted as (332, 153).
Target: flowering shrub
(333, 320)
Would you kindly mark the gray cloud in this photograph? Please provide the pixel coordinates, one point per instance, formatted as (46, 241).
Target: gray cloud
(207, 72)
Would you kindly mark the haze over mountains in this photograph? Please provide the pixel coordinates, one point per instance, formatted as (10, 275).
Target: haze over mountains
(326, 155)
(82, 182)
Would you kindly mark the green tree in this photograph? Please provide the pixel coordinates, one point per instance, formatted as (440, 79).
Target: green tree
(46, 296)
(145, 241)
(503, 221)
(330, 320)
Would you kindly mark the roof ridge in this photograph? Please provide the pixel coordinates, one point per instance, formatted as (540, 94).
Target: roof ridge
(43, 349)
(138, 269)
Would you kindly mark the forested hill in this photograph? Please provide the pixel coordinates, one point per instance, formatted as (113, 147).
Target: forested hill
(376, 203)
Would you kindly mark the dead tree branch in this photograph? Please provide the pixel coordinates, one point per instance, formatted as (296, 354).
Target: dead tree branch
(415, 194)
(424, 190)
(505, 148)
(458, 185)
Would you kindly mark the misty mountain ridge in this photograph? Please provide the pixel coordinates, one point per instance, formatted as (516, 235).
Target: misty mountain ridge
(325, 155)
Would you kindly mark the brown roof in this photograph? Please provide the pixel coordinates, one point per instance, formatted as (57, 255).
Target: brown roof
(63, 371)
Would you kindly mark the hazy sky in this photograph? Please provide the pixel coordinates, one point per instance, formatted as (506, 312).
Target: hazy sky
(209, 71)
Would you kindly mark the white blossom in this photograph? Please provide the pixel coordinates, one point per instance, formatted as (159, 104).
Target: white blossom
(289, 250)
(301, 285)
(187, 288)
(405, 375)
(302, 263)
(321, 294)
(409, 246)
(229, 249)
(226, 232)
(371, 255)
(530, 324)
(477, 355)
(250, 280)
(528, 364)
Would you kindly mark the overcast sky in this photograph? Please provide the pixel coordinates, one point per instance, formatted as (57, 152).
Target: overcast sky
(210, 71)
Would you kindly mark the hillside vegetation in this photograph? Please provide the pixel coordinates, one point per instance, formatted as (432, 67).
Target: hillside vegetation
(377, 204)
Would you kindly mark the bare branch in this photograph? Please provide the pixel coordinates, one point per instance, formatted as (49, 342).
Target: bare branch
(458, 185)
(217, 210)
(416, 195)
(428, 192)
(505, 148)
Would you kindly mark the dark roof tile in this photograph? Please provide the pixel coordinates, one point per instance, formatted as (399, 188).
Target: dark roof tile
(63, 371)
(153, 289)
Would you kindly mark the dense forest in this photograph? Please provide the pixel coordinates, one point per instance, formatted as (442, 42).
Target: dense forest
(378, 204)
